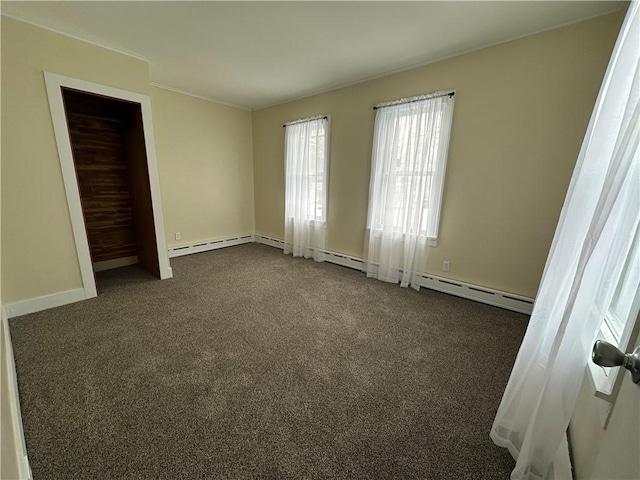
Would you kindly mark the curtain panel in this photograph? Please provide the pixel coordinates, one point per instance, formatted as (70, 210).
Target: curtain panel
(306, 177)
(408, 164)
(594, 236)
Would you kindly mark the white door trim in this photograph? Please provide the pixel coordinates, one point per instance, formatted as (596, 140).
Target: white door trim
(54, 83)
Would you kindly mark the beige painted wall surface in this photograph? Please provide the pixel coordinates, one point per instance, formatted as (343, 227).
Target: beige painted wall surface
(206, 167)
(520, 115)
(8, 447)
(38, 250)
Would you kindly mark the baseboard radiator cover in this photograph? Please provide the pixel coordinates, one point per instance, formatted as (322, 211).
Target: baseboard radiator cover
(489, 296)
(497, 298)
(210, 245)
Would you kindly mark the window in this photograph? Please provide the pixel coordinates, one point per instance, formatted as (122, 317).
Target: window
(408, 164)
(414, 138)
(621, 308)
(619, 324)
(317, 174)
(306, 169)
(306, 178)
(409, 173)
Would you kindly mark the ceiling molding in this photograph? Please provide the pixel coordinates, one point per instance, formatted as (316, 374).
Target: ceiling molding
(76, 37)
(194, 95)
(616, 7)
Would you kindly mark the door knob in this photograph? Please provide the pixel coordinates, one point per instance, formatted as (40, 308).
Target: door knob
(607, 355)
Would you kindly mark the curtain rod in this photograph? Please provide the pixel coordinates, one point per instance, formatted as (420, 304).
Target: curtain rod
(445, 93)
(302, 120)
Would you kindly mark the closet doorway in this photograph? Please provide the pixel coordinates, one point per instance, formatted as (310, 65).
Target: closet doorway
(109, 156)
(108, 161)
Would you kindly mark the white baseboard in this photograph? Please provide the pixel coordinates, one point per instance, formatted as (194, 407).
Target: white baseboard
(489, 296)
(19, 445)
(272, 242)
(210, 245)
(477, 293)
(32, 305)
(45, 302)
(344, 260)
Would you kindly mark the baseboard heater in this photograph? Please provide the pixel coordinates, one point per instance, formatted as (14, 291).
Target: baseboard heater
(489, 296)
(209, 245)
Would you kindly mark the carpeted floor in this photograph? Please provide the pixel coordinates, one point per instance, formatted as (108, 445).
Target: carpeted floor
(251, 364)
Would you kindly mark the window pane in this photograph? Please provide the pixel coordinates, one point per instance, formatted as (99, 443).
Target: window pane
(305, 170)
(413, 144)
(628, 285)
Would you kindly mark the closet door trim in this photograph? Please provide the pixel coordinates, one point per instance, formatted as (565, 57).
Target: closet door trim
(55, 83)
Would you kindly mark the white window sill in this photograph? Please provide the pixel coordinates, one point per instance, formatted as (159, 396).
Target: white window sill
(603, 403)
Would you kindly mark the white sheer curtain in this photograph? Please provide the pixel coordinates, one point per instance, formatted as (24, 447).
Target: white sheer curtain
(408, 163)
(598, 222)
(306, 150)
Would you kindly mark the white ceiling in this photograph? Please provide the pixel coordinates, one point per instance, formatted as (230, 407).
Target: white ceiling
(255, 54)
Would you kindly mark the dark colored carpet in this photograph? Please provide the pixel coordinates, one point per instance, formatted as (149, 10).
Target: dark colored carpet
(252, 364)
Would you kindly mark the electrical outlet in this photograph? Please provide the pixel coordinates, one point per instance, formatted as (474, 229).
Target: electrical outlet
(446, 266)
(178, 236)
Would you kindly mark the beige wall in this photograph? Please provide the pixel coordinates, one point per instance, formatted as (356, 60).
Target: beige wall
(206, 167)
(38, 250)
(10, 447)
(521, 112)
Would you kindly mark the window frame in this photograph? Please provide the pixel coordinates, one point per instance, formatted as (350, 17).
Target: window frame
(606, 381)
(322, 221)
(439, 174)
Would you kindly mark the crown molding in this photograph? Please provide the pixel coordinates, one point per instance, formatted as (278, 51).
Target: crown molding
(424, 63)
(386, 73)
(201, 97)
(76, 37)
